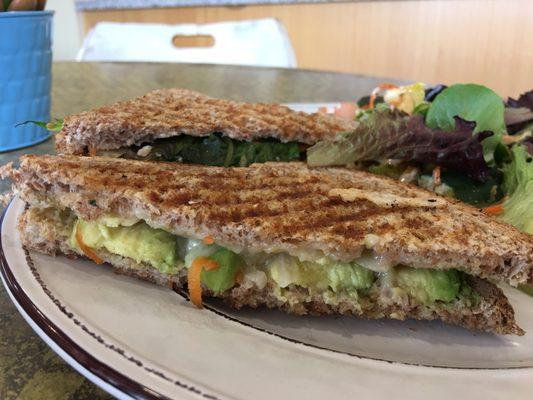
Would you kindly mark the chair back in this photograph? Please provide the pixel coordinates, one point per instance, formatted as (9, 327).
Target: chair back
(262, 42)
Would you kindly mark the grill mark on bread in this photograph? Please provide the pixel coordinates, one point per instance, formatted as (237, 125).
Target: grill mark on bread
(254, 187)
(172, 112)
(337, 220)
(253, 207)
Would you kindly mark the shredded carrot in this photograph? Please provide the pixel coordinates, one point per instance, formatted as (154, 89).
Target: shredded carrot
(436, 176)
(194, 276)
(376, 91)
(494, 209)
(86, 249)
(239, 277)
(208, 240)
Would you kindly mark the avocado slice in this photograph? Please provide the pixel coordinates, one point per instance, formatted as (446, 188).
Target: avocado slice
(138, 241)
(349, 276)
(223, 277)
(429, 285)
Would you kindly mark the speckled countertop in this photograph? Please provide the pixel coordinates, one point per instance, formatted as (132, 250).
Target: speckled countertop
(29, 369)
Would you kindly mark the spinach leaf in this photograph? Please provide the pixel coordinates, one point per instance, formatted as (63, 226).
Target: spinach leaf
(471, 102)
(246, 153)
(471, 191)
(220, 151)
(422, 108)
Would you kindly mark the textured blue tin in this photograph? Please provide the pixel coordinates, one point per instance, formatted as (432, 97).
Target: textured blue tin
(25, 76)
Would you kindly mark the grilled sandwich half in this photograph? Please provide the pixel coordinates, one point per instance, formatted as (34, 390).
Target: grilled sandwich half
(182, 125)
(307, 241)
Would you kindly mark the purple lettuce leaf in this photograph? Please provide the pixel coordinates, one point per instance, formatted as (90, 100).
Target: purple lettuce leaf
(525, 100)
(528, 144)
(392, 134)
(519, 113)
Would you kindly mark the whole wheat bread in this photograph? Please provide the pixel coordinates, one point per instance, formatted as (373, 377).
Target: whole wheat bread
(172, 112)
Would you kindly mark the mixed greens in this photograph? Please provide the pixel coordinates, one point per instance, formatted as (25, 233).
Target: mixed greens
(462, 140)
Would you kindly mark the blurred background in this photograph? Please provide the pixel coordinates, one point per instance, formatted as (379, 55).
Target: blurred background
(436, 41)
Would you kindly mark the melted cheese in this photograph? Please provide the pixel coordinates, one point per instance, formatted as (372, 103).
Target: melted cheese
(385, 200)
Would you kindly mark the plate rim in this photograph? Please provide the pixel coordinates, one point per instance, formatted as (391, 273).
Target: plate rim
(61, 353)
(60, 340)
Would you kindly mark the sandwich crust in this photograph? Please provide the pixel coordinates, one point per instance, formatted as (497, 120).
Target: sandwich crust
(285, 207)
(172, 112)
(48, 232)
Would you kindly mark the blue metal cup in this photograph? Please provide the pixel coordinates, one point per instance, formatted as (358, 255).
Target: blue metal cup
(25, 76)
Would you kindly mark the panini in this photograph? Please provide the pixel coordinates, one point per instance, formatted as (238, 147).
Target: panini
(182, 125)
(308, 241)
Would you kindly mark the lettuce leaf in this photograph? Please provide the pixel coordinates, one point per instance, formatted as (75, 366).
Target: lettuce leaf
(519, 113)
(53, 126)
(518, 184)
(470, 102)
(392, 134)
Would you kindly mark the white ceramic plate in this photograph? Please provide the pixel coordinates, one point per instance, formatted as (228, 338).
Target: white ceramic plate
(138, 340)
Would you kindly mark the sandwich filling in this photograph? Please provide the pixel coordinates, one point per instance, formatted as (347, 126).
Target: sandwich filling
(215, 149)
(220, 268)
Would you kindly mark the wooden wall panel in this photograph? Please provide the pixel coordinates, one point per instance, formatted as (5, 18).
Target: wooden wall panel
(485, 41)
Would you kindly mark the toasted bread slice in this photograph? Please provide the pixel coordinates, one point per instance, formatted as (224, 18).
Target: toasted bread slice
(172, 112)
(47, 231)
(290, 208)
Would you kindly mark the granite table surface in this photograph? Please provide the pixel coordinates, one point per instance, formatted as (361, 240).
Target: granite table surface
(29, 369)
